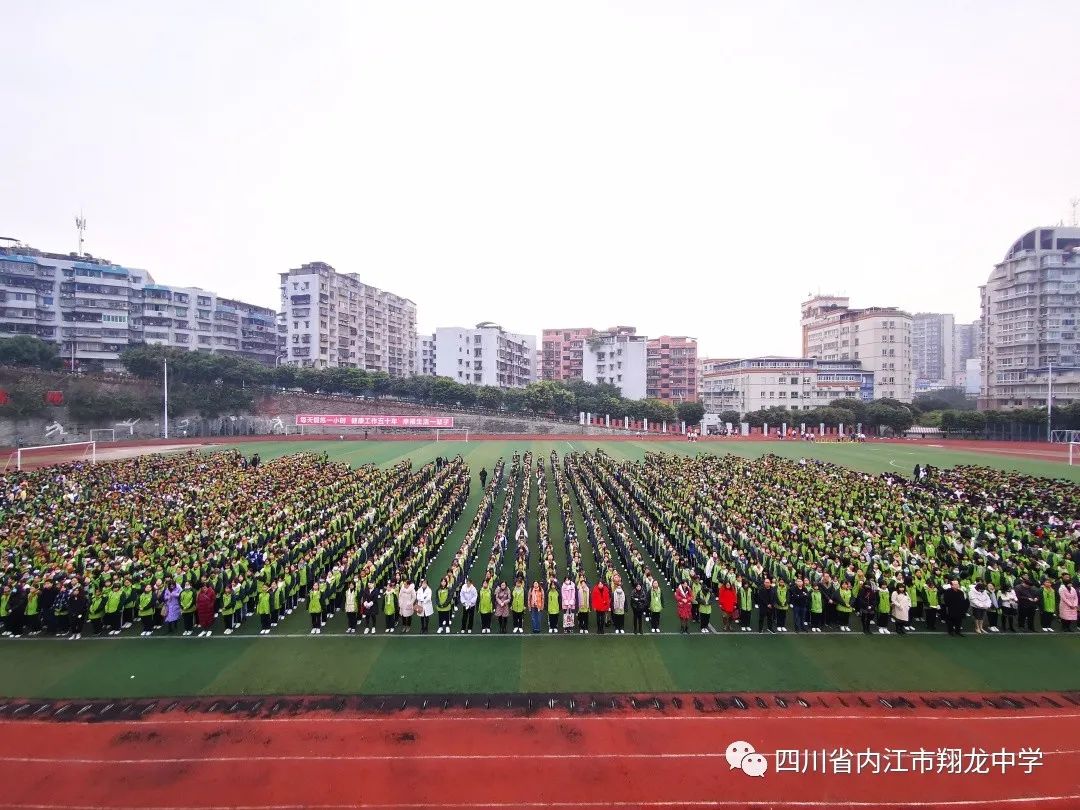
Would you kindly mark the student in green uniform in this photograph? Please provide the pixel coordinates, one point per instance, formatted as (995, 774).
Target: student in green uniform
(187, 608)
(485, 604)
(229, 607)
(844, 602)
(656, 604)
(782, 604)
(390, 607)
(146, 610)
(33, 610)
(262, 609)
(553, 607)
(113, 603)
(745, 596)
(314, 609)
(884, 609)
(444, 604)
(817, 610)
(97, 612)
(704, 606)
(517, 604)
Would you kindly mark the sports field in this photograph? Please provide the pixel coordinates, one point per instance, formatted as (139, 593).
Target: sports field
(290, 661)
(333, 721)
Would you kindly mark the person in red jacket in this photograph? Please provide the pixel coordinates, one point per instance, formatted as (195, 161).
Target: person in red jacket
(601, 603)
(727, 599)
(205, 603)
(684, 600)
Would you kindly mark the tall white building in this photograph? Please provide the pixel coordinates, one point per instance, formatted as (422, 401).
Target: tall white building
(485, 355)
(878, 337)
(617, 357)
(333, 320)
(932, 348)
(1030, 306)
(94, 309)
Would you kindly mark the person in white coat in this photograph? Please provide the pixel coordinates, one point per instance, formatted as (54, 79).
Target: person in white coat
(407, 604)
(351, 607)
(424, 605)
(901, 608)
(979, 600)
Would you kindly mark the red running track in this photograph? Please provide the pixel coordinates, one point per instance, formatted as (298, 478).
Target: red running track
(546, 759)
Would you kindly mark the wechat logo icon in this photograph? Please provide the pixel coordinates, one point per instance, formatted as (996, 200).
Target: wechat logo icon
(741, 754)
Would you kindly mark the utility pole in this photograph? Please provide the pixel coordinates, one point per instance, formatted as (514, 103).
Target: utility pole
(1049, 398)
(166, 386)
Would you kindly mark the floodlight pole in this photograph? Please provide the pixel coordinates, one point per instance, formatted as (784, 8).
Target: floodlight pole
(165, 384)
(1049, 398)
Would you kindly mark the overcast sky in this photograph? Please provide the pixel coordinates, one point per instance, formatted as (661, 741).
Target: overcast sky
(688, 168)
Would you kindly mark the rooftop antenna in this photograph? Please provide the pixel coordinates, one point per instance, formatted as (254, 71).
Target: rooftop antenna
(1075, 203)
(80, 225)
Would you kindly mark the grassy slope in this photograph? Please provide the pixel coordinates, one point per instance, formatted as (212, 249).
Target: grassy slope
(279, 664)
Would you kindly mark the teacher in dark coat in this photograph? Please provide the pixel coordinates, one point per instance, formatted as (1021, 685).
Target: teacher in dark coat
(954, 605)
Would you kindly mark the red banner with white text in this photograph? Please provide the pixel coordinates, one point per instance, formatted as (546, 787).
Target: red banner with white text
(344, 420)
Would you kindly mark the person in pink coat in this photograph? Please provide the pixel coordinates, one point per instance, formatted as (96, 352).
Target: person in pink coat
(684, 601)
(205, 604)
(569, 604)
(1068, 602)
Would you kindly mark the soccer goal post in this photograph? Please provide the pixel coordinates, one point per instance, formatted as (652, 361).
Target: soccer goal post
(450, 434)
(44, 455)
(103, 435)
(1069, 437)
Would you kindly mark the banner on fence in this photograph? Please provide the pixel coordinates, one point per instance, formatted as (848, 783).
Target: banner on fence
(344, 420)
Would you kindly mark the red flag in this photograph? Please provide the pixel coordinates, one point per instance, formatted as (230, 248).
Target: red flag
(4, 398)
(54, 397)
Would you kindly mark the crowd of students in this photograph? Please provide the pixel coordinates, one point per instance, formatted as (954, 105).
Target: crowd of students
(186, 544)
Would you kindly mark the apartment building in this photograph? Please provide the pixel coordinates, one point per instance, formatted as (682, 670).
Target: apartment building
(672, 369)
(932, 349)
(425, 355)
(1030, 306)
(563, 353)
(965, 346)
(94, 309)
(793, 383)
(485, 355)
(617, 357)
(335, 320)
(878, 337)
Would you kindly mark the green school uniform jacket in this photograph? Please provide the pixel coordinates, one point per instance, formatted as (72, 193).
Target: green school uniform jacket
(390, 602)
(443, 600)
(746, 598)
(781, 597)
(844, 603)
(228, 603)
(112, 602)
(1049, 601)
(263, 607)
(32, 605)
(705, 602)
(517, 600)
(552, 602)
(146, 604)
(655, 604)
(187, 601)
(883, 602)
(485, 600)
(97, 607)
(816, 602)
(314, 602)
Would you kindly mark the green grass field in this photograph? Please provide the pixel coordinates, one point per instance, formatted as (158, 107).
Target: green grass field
(292, 662)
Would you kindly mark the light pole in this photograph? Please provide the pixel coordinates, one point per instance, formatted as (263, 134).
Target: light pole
(1049, 399)
(165, 385)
